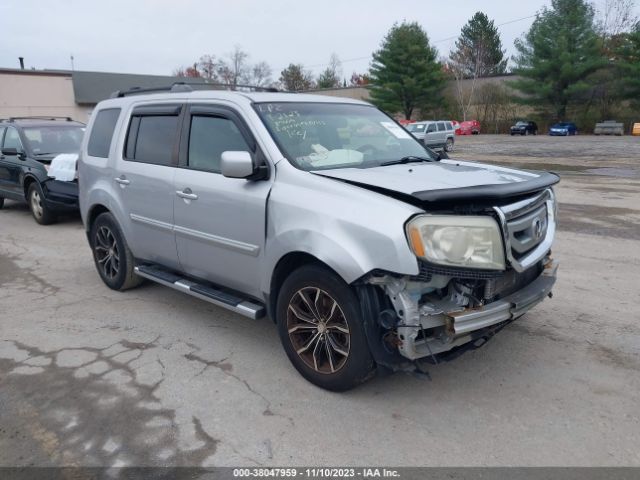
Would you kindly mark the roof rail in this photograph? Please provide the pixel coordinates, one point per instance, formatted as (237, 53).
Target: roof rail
(41, 117)
(181, 87)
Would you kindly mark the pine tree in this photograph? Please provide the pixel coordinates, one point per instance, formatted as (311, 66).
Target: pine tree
(628, 56)
(479, 48)
(557, 56)
(405, 74)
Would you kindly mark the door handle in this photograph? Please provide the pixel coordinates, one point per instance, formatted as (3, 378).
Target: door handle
(187, 194)
(122, 180)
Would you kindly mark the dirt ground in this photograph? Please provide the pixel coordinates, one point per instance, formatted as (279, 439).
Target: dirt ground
(89, 376)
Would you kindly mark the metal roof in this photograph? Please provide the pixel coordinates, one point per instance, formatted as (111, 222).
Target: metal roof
(92, 87)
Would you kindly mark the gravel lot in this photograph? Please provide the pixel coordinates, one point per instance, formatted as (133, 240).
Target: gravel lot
(89, 376)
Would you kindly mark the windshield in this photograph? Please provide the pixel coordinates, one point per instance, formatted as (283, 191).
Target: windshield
(317, 136)
(521, 124)
(54, 139)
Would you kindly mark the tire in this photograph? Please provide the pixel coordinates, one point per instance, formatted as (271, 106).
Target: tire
(448, 146)
(35, 198)
(526, 132)
(1, 203)
(337, 355)
(113, 259)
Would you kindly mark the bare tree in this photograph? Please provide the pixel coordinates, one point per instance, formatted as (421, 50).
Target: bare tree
(234, 68)
(259, 75)
(615, 17)
(208, 67)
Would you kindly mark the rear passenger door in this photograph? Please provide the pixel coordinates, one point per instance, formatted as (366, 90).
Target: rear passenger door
(431, 135)
(219, 221)
(144, 180)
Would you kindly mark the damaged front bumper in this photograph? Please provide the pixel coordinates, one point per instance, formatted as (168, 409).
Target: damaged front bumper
(435, 326)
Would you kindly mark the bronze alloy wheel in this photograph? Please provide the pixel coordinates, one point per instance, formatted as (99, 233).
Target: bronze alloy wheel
(318, 330)
(106, 251)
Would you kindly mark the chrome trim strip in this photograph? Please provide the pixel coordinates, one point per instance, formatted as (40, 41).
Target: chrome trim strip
(241, 247)
(151, 222)
(522, 207)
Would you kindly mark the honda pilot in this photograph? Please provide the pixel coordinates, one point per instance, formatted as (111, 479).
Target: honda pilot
(369, 252)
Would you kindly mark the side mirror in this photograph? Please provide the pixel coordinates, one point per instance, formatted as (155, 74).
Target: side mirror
(14, 152)
(236, 164)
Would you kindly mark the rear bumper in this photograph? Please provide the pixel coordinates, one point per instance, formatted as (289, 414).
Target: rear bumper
(61, 196)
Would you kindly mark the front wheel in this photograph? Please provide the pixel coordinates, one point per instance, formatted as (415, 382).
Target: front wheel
(448, 146)
(39, 209)
(321, 329)
(113, 259)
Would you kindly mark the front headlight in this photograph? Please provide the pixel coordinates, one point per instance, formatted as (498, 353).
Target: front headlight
(457, 241)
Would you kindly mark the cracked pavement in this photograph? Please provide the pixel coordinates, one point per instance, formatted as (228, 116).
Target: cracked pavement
(152, 377)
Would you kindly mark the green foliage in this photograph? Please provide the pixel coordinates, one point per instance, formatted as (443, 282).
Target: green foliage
(557, 55)
(294, 78)
(628, 55)
(405, 74)
(478, 50)
(328, 79)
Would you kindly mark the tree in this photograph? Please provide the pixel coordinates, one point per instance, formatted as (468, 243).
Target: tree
(359, 79)
(629, 64)
(557, 55)
(479, 50)
(405, 74)
(188, 72)
(259, 75)
(294, 78)
(330, 76)
(208, 67)
(234, 68)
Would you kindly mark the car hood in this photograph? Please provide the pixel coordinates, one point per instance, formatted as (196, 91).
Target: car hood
(445, 181)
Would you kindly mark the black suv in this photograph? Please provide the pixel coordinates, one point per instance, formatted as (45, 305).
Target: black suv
(27, 147)
(524, 127)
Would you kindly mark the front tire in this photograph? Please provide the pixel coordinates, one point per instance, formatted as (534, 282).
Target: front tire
(448, 146)
(113, 259)
(321, 329)
(39, 209)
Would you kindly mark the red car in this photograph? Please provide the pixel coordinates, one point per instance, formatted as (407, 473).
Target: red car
(470, 127)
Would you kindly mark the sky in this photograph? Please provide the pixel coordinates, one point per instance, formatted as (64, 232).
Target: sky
(157, 36)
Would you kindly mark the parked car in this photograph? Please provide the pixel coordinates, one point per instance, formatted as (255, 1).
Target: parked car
(524, 127)
(321, 213)
(435, 134)
(609, 127)
(469, 127)
(563, 128)
(28, 146)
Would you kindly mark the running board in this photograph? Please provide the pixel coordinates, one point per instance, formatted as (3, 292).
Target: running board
(208, 293)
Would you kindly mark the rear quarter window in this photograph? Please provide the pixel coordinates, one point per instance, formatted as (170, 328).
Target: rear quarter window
(102, 132)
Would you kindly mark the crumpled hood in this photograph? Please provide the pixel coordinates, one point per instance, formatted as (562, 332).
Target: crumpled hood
(445, 180)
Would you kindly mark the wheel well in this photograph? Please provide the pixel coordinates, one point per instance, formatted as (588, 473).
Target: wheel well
(287, 264)
(27, 183)
(93, 214)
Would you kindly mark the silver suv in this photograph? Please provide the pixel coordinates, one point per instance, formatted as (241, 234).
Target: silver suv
(323, 214)
(435, 134)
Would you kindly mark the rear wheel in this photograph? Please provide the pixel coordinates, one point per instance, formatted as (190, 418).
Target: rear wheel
(321, 329)
(113, 259)
(41, 213)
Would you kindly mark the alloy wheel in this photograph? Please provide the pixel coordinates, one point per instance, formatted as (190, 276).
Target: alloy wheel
(106, 252)
(36, 204)
(318, 330)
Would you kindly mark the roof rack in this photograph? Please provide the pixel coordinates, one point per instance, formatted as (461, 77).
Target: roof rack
(181, 87)
(42, 117)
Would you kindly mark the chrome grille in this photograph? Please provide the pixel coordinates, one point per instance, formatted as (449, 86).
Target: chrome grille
(528, 228)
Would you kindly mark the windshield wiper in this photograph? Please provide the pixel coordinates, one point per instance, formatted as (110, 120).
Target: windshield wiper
(407, 159)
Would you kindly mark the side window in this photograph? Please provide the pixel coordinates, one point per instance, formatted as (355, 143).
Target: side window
(431, 128)
(102, 132)
(12, 139)
(441, 127)
(151, 139)
(449, 126)
(208, 138)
